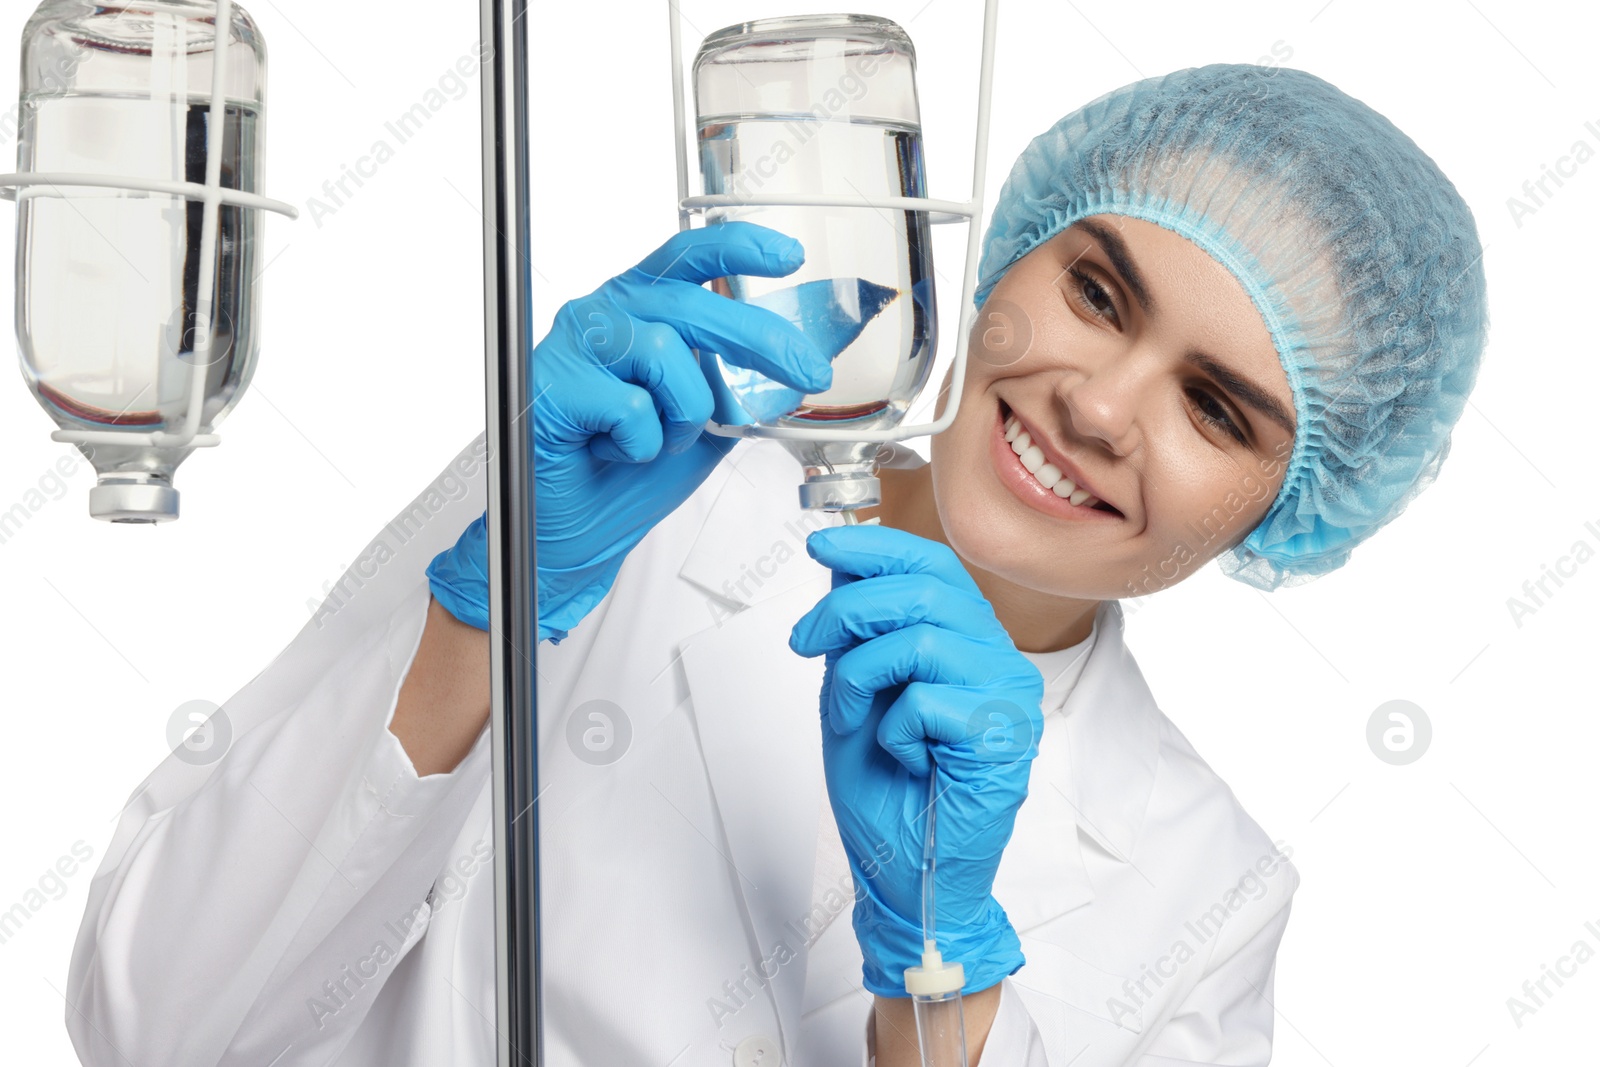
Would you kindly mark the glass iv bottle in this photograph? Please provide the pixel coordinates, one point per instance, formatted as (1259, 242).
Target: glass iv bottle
(130, 317)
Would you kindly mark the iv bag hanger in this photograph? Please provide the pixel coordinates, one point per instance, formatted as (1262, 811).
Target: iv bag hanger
(17, 187)
(939, 211)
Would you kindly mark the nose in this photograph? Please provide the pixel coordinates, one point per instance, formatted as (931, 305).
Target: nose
(1104, 399)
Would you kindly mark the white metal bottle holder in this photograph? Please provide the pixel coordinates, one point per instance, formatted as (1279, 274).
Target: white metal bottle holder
(939, 211)
(17, 187)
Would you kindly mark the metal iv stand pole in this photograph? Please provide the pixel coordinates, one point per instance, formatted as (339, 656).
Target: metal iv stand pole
(513, 611)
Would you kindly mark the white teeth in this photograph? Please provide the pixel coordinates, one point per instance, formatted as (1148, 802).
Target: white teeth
(1047, 474)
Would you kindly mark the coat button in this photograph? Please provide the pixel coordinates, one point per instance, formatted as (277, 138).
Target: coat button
(757, 1050)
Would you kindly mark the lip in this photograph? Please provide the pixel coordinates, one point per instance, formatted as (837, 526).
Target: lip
(1008, 465)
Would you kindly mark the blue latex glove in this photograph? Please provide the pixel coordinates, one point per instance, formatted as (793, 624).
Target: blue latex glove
(920, 678)
(619, 410)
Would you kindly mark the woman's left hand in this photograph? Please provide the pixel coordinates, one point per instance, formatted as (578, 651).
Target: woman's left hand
(920, 678)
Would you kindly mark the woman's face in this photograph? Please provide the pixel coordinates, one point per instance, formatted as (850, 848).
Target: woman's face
(1130, 353)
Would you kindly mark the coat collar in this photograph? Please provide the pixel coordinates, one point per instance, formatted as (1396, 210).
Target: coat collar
(749, 559)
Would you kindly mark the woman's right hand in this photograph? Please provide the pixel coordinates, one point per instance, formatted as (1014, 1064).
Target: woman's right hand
(619, 413)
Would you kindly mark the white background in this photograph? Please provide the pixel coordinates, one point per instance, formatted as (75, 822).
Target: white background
(1431, 891)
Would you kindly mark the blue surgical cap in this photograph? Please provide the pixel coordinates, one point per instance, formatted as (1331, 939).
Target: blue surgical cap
(1358, 252)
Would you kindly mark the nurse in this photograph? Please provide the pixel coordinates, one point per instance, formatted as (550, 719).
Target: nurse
(1229, 313)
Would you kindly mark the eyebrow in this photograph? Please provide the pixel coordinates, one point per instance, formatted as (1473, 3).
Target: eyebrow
(1248, 391)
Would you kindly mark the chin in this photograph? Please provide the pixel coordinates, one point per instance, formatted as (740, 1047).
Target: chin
(983, 523)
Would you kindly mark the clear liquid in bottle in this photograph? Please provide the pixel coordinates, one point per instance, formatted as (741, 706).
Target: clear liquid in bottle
(108, 318)
(854, 255)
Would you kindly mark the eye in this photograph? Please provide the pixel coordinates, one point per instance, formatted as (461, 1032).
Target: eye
(1089, 294)
(1215, 413)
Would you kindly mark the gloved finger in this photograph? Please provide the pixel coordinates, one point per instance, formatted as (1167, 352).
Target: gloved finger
(920, 653)
(616, 418)
(659, 362)
(756, 338)
(856, 611)
(720, 249)
(869, 550)
(727, 407)
(904, 735)
(986, 729)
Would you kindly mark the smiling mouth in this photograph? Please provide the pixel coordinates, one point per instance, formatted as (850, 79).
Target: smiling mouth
(1098, 505)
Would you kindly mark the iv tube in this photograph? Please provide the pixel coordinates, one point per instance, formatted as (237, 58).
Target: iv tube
(935, 987)
(928, 908)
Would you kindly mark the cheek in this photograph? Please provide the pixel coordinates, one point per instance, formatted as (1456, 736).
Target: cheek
(1258, 491)
(982, 538)
(1208, 500)
(962, 492)
(1250, 491)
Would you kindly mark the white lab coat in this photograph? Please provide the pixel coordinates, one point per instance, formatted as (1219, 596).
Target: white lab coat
(308, 899)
